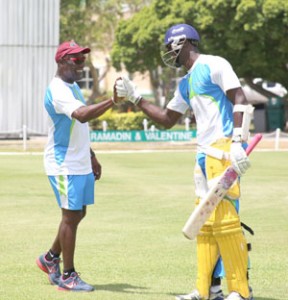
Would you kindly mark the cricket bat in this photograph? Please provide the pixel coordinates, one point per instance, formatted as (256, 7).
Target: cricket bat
(213, 197)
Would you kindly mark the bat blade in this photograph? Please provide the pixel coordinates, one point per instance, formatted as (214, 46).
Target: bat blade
(213, 197)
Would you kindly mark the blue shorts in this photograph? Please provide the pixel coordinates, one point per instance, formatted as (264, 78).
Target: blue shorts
(73, 191)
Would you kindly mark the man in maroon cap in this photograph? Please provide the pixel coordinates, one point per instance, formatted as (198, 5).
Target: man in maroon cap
(70, 163)
(69, 48)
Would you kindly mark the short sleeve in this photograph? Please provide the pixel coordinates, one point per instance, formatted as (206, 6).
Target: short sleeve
(177, 103)
(223, 75)
(63, 99)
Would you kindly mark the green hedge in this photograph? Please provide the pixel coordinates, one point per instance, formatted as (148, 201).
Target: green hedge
(122, 121)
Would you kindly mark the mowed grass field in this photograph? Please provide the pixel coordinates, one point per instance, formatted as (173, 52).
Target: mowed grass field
(130, 245)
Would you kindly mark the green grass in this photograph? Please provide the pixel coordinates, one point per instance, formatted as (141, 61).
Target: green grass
(130, 245)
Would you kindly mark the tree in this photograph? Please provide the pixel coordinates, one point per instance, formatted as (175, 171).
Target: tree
(137, 43)
(252, 37)
(91, 23)
(251, 34)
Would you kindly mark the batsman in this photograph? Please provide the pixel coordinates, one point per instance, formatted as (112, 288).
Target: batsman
(212, 90)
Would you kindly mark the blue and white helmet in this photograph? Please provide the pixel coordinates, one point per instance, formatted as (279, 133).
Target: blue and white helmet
(175, 38)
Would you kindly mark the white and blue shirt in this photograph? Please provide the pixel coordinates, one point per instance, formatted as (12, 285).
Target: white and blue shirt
(203, 89)
(68, 147)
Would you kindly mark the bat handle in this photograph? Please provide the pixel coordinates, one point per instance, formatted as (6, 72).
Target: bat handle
(255, 140)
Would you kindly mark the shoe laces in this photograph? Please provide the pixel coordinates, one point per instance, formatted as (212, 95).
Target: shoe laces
(56, 260)
(76, 276)
(53, 264)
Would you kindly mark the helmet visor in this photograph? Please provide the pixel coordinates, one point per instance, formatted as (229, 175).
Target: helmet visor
(170, 53)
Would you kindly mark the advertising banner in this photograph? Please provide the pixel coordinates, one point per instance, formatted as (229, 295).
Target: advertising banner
(142, 136)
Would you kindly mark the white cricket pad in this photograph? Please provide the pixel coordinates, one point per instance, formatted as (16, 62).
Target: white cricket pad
(247, 111)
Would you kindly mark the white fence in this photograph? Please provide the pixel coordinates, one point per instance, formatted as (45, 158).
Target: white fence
(29, 35)
(277, 136)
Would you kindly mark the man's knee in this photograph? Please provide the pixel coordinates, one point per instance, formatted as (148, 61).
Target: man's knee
(72, 217)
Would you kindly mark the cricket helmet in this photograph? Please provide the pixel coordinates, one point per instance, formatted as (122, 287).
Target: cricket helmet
(174, 40)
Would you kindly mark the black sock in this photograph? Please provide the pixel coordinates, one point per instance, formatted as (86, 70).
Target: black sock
(216, 281)
(50, 255)
(67, 273)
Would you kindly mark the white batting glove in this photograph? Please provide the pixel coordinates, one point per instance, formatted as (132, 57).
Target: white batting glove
(239, 159)
(128, 90)
(120, 88)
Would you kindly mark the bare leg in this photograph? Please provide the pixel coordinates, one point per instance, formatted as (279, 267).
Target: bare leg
(56, 247)
(65, 240)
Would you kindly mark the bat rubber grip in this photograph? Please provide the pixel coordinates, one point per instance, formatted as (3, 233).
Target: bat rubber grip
(255, 140)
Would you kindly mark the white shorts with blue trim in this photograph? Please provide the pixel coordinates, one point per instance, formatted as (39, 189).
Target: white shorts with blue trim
(73, 191)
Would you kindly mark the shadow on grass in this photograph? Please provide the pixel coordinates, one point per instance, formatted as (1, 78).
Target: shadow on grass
(119, 288)
(254, 298)
(261, 298)
(133, 289)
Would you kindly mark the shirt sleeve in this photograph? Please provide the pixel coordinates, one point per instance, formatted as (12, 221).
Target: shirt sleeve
(64, 101)
(223, 75)
(177, 103)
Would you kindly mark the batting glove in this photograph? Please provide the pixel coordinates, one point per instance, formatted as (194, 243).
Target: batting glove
(126, 88)
(239, 159)
(120, 88)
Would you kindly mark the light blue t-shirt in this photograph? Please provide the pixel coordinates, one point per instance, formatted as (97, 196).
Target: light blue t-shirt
(68, 147)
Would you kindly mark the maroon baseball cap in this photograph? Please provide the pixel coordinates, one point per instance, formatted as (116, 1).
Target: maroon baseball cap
(69, 48)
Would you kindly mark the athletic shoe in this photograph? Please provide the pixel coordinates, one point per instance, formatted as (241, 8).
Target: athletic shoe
(74, 283)
(52, 268)
(236, 296)
(194, 295)
(216, 296)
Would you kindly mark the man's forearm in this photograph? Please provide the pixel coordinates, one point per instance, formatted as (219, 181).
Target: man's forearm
(89, 112)
(158, 114)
